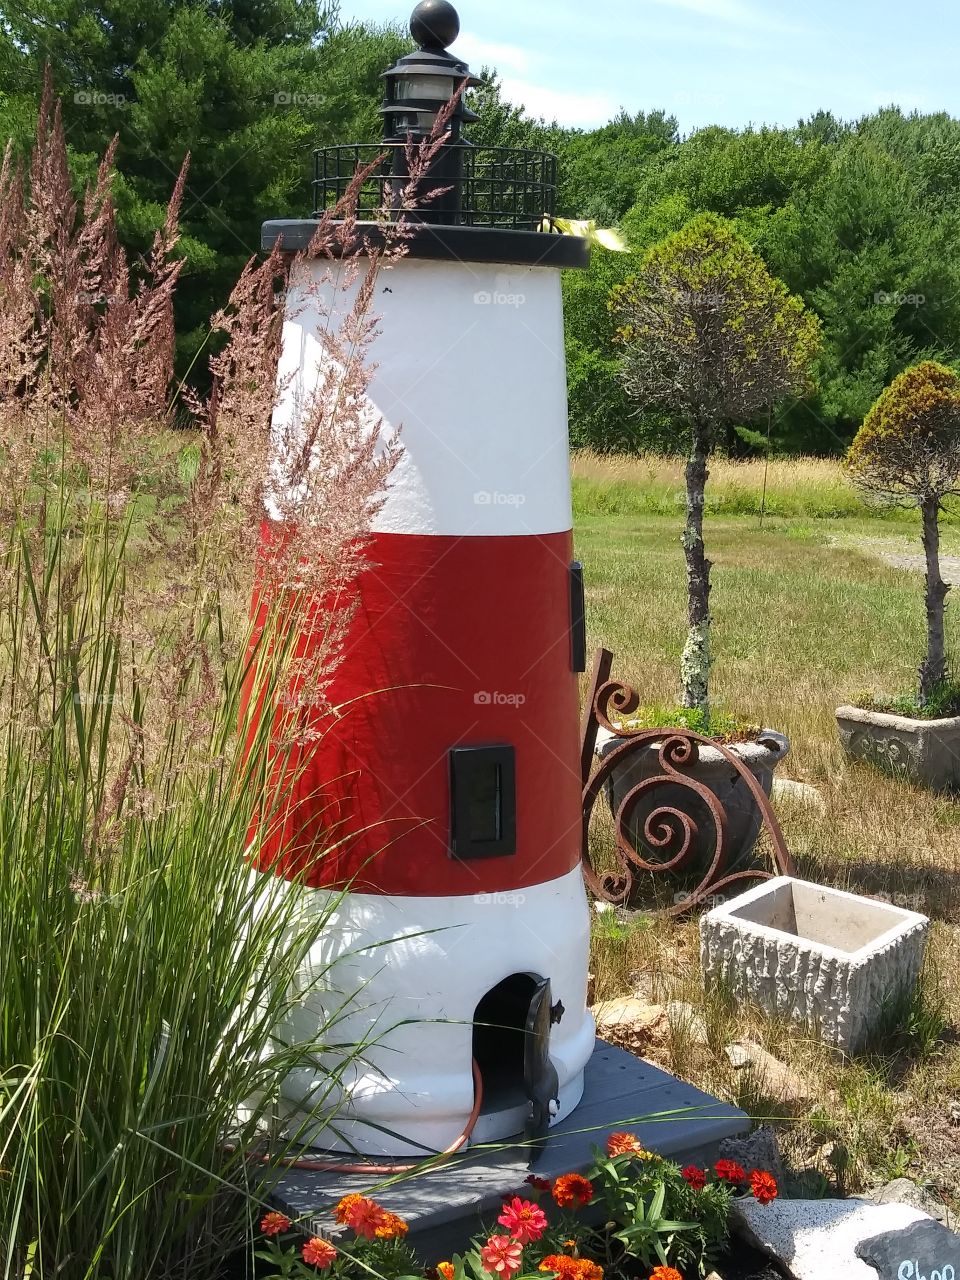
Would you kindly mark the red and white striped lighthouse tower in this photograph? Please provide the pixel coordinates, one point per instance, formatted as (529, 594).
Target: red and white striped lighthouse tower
(453, 780)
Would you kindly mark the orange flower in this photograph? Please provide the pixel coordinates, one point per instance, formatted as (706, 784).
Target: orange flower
(273, 1224)
(572, 1190)
(501, 1256)
(665, 1273)
(319, 1253)
(363, 1216)
(446, 1270)
(344, 1206)
(392, 1227)
(559, 1263)
(763, 1185)
(568, 1268)
(624, 1144)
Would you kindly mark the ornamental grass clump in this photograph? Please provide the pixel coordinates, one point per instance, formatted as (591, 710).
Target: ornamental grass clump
(708, 335)
(908, 453)
(145, 724)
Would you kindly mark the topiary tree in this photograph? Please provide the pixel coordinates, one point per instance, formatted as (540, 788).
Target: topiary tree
(908, 451)
(708, 335)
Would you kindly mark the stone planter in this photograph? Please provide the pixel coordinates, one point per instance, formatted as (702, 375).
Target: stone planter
(925, 751)
(713, 771)
(828, 959)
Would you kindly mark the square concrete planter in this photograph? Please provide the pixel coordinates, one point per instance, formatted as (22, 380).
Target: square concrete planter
(926, 751)
(828, 959)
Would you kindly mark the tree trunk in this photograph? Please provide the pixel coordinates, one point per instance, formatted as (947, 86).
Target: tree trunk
(695, 661)
(933, 671)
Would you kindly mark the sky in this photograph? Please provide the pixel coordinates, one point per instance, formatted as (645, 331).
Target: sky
(728, 62)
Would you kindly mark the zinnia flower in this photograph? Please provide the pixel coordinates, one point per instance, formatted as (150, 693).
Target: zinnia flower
(729, 1171)
(273, 1224)
(446, 1270)
(624, 1144)
(572, 1190)
(392, 1227)
(696, 1177)
(524, 1220)
(763, 1185)
(362, 1215)
(665, 1273)
(501, 1256)
(319, 1253)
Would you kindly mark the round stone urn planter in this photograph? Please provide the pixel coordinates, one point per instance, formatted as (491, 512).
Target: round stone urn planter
(925, 751)
(712, 770)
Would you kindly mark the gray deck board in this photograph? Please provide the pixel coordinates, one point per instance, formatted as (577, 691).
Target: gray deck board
(444, 1204)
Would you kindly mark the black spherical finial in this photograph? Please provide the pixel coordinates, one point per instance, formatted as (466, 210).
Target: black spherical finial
(435, 24)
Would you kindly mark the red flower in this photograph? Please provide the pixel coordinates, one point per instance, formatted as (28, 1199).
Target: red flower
(319, 1253)
(572, 1191)
(763, 1185)
(501, 1256)
(624, 1144)
(729, 1171)
(446, 1270)
(665, 1273)
(524, 1220)
(696, 1177)
(362, 1215)
(538, 1184)
(273, 1224)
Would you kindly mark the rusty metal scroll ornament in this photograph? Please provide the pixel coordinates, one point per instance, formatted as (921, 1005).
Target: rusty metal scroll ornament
(667, 828)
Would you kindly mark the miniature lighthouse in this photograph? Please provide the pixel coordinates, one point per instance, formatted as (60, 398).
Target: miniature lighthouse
(461, 931)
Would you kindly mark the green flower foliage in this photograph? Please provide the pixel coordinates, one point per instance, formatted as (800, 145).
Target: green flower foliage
(909, 445)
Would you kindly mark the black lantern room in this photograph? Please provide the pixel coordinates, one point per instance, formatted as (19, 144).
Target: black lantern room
(420, 84)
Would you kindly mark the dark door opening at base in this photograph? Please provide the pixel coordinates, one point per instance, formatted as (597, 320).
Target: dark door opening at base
(503, 1025)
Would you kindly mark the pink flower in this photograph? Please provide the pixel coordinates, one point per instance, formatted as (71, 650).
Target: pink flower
(524, 1220)
(501, 1256)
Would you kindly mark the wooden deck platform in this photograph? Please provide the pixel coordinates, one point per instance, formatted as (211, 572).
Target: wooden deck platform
(444, 1206)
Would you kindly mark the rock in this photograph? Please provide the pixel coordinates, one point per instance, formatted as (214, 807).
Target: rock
(774, 1078)
(924, 1249)
(817, 1239)
(800, 793)
(905, 1191)
(757, 1150)
(686, 1022)
(953, 1111)
(631, 1023)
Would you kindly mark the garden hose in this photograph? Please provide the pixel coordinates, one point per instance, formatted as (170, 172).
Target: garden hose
(325, 1166)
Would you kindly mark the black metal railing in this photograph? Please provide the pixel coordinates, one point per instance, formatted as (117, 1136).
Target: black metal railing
(477, 186)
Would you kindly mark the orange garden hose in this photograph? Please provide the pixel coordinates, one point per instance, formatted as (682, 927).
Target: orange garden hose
(325, 1166)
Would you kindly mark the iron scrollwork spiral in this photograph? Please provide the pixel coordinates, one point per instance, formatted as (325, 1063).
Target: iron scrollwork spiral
(669, 829)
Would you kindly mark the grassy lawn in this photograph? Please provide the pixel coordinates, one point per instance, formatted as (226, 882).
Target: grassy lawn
(807, 613)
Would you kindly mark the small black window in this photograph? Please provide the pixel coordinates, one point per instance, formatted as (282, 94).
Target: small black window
(483, 817)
